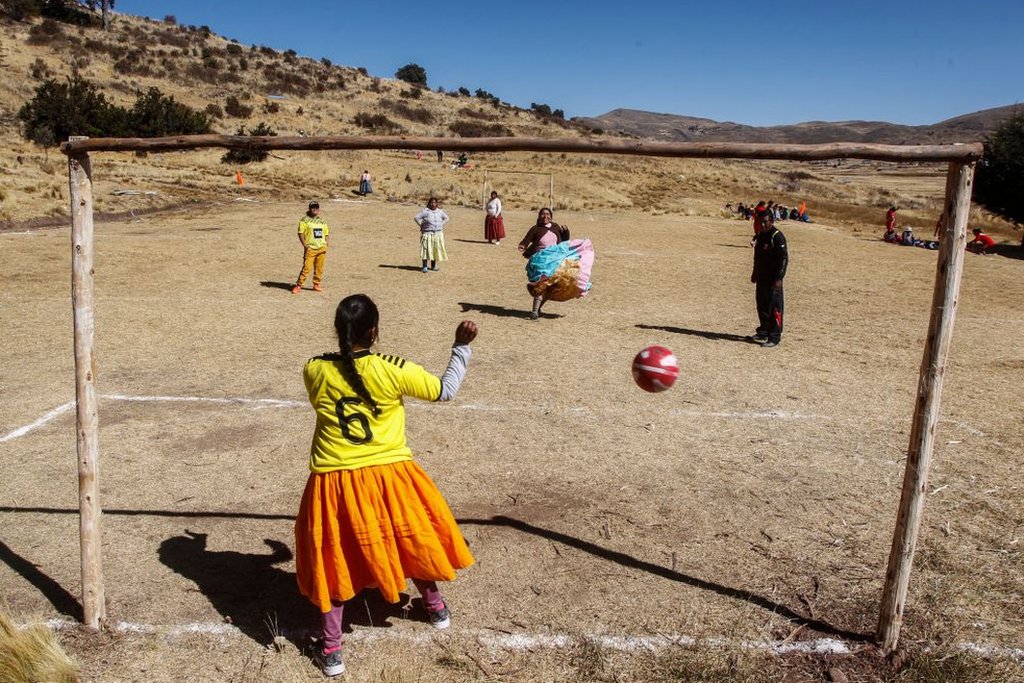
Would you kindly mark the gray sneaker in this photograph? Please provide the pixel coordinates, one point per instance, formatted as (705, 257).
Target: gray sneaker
(332, 664)
(441, 618)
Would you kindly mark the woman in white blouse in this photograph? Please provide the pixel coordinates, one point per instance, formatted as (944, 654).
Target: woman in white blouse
(494, 224)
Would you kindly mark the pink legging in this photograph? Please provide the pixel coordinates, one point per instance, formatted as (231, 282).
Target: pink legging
(432, 600)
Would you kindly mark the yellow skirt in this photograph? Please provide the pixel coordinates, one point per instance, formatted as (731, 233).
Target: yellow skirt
(374, 526)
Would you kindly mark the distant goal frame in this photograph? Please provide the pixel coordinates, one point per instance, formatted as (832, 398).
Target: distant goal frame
(961, 160)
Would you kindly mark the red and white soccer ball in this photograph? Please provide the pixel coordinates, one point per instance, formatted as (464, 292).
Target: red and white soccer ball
(655, 369)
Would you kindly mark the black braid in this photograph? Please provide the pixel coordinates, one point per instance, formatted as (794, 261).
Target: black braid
(355, 317)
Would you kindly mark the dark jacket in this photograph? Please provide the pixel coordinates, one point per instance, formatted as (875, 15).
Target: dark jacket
(771, 258)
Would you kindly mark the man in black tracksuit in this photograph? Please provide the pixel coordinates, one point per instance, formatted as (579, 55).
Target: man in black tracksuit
(770, 261)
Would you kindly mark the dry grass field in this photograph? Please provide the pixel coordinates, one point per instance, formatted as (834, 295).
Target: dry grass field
(619, 536)
(734, 528)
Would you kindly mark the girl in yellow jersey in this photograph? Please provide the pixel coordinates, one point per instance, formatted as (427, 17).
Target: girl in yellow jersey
(370, 516)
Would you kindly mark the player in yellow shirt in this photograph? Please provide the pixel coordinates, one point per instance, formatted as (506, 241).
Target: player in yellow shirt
(313, 236)
(370, 516)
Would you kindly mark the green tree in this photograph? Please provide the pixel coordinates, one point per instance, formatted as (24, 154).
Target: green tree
(412, 73)
(155, 114)
(999, 178)
(74, 107)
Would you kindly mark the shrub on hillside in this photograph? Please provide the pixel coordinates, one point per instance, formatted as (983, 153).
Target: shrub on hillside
(999, 179)
(171, 19)
(249, 155)
(475, 129)
(101, 46)
(234, 108)
(214, 111)
(45, 32)
(412, 73)
(201, 73)
(474, 114)
(172, 38)
(271, 107)
(155, 114)
(19, 10)
(377, 123)
(464, 91)
(135, 63)
(39, 70)
(284, 81)
(417, 114)
(411, 93)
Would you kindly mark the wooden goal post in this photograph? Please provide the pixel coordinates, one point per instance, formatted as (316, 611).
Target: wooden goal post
(960, 157)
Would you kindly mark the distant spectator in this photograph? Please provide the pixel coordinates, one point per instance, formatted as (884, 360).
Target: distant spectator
(760, 213)
(890, 218)
(494, 224)
(431, 222)
(365, 187)
(981, 243)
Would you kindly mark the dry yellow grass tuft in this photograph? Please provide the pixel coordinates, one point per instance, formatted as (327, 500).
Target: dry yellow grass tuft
(32, 655)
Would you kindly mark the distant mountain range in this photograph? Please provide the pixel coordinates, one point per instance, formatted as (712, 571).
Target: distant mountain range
(672, 127)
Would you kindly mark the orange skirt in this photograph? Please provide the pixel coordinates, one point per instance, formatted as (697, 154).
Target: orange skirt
(374, 526)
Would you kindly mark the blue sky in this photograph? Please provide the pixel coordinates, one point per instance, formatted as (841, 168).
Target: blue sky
(759, 63)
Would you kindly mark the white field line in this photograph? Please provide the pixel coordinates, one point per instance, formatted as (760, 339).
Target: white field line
(260, 403)
(250, 402)
(22, 431)
(256, 403)
(527, 641)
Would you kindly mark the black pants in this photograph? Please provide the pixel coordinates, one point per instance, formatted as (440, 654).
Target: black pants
(769, 311)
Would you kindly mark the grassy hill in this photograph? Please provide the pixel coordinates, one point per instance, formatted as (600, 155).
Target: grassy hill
(243, 85)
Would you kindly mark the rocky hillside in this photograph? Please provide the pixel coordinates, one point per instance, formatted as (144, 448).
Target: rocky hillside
(967, 128)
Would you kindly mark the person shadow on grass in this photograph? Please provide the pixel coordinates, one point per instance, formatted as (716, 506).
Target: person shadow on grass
(262, 600)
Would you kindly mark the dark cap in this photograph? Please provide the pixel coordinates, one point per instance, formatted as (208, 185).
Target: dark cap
(314, 204)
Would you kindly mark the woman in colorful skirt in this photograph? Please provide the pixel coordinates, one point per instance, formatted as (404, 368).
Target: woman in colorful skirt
(558, 267)
(432, 221)
(370, 516)
(494, 224)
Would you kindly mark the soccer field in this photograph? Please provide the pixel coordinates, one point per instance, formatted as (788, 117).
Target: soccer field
(753, 502)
